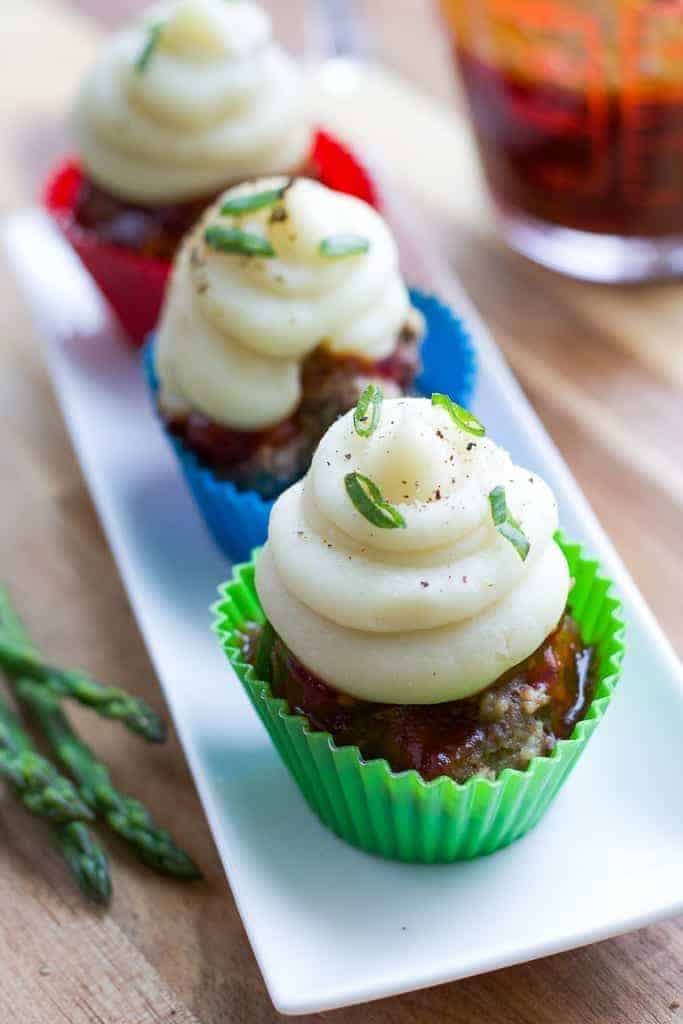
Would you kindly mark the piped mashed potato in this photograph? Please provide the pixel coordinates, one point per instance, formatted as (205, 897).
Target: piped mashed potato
(189, 98)
(434, 611)
(237, 323)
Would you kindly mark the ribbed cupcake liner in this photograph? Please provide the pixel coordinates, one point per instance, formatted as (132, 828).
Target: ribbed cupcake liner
(133, 284)
(238, 520)
(399, 815)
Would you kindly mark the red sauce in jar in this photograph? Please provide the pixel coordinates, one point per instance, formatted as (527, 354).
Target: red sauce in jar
(600, 159)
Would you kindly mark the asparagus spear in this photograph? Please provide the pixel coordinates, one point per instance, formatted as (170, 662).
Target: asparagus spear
(126, 816)
(36, 782)
(10, 623)
(86, 861)
(41, 789)
(109, 701)
(84, 858)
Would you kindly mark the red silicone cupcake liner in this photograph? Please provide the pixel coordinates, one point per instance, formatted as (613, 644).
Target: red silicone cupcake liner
(134, 285)
(339, 169)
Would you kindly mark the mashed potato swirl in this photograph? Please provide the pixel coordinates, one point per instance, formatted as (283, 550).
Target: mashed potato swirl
(236, 327)
(216, 102)
(435, 611)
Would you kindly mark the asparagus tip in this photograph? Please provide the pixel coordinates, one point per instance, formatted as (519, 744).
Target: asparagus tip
(87, 862)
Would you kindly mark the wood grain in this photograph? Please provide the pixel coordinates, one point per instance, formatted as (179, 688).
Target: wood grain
(604, 368)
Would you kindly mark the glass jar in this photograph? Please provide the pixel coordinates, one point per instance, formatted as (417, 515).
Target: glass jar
(577, 107)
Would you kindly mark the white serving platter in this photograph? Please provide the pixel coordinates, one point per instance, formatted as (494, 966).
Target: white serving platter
(329, 925)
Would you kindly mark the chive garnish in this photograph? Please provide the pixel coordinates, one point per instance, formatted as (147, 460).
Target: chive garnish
(336, 247)
(462, 418)
(233, 240)
(151, 43)
(239, 205)
(368, 411)
(506, 524)
(370, 502)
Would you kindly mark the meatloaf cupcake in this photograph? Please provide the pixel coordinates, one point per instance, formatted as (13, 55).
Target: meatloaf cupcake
(187, 100)
(427, 655)
(286, 305)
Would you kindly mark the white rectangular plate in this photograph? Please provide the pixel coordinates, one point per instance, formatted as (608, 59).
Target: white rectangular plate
(330, 925)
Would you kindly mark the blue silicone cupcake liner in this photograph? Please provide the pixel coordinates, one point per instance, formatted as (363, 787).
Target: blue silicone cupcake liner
(238, 520)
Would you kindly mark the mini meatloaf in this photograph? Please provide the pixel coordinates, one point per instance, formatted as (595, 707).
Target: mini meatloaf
(269, 460)
(520, 716)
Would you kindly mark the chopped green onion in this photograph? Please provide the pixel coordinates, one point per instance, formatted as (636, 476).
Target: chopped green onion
(239, 205)
(371, 504)
(151, 43)
(461, 417)
(506, 524)
(368, 411)
(233, 240)
(337, 247)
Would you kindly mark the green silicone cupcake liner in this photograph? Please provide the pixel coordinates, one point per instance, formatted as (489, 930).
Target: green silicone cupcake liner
(398, 814)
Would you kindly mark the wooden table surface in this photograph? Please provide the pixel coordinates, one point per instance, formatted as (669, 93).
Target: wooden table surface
(603, 367)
